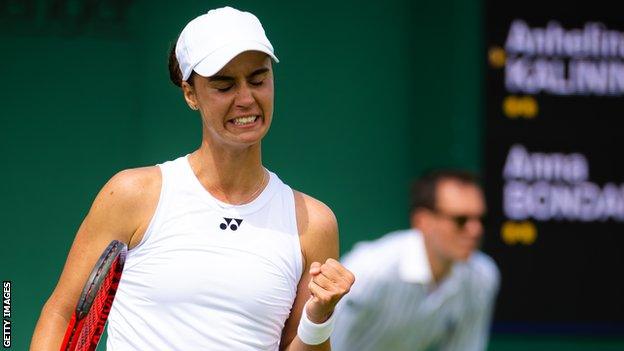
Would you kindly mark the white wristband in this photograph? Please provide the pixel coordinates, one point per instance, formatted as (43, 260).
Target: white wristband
(311, 333)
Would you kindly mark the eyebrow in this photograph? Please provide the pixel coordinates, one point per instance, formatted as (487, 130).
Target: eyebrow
(218, 78)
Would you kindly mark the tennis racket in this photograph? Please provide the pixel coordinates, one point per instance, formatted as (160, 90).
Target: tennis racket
(87, 322)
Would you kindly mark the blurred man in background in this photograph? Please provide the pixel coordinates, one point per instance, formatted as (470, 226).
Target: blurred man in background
(428, 286)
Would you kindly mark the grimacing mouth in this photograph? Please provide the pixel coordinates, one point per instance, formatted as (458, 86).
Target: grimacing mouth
(244, 120)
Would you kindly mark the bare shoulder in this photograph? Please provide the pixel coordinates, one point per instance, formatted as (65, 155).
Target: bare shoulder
(313, 215)
(132, 183)
(318, 227)
(128, 199)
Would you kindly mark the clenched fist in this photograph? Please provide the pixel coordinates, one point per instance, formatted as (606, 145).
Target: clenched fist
(330, 282)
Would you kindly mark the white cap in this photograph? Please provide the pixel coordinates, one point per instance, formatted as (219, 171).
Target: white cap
(210, 41)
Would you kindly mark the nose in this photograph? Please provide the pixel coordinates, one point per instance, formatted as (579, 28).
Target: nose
(244, 97)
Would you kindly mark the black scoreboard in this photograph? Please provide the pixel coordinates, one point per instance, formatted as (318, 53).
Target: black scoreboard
(554, 163)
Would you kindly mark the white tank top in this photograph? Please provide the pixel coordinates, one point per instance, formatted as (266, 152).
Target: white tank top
(209, 275)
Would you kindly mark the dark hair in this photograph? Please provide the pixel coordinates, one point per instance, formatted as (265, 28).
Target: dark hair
(423, 192)
(175, 74)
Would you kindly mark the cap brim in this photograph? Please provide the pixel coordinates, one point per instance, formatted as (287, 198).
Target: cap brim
(214, 62)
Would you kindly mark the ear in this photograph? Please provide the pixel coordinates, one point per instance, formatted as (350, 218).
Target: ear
(190, 96)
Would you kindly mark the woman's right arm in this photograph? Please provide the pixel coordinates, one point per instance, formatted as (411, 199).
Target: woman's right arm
(121, 211)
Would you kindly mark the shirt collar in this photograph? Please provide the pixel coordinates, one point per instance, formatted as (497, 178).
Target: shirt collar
(413, 261)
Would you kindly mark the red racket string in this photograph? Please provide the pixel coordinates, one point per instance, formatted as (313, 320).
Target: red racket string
(95, 320)
(89, 319)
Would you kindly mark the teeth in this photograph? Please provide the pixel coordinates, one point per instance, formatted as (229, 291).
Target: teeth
(245, 120)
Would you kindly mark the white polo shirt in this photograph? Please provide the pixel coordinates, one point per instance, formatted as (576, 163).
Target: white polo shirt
(395, 304)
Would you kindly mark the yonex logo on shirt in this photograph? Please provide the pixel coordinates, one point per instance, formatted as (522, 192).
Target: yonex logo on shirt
(230, 224)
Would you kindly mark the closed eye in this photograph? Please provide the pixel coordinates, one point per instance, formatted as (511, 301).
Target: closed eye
(257, 83)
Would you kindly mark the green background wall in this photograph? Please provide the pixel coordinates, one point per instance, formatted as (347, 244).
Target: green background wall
(367, 96)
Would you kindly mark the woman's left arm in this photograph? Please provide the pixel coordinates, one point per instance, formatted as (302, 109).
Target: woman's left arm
(324, 281)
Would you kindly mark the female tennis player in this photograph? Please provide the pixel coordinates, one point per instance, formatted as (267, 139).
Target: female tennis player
(222, 254)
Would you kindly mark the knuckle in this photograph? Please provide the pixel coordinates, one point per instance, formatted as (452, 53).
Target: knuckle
(341, 290)
(350, 276)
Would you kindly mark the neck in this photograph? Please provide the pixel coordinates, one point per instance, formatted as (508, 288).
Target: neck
(231, 175)
(440, 267)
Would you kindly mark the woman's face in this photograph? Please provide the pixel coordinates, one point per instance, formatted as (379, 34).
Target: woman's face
(236, 103)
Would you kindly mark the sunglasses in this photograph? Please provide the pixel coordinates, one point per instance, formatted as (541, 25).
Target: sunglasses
(459, 220)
